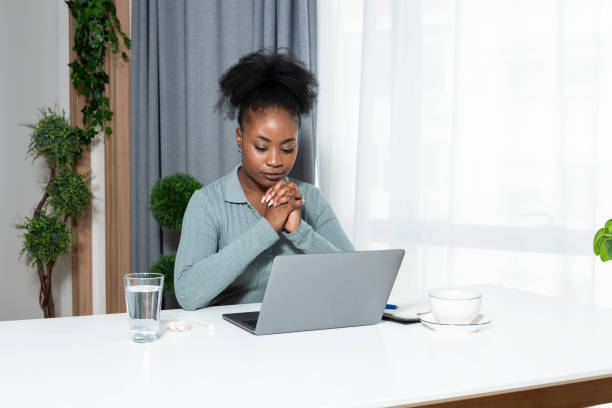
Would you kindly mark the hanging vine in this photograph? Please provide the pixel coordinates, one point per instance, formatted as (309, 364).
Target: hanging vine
(66, 195)
(96, 28)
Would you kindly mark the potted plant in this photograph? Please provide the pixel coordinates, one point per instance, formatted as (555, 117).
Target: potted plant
(602, 243)
(165, 266)
(169, 199)
(66, 196)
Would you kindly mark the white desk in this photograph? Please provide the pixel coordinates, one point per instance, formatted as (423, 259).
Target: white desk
(89, 361)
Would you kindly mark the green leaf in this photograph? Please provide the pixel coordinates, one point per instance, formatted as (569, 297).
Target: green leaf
(603, 251)
(598, 240)
(608, 226)
(608, 248)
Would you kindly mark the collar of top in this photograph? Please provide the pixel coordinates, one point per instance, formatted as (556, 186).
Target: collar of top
(232, 189)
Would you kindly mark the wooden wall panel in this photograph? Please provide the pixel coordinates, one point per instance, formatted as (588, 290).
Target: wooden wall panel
(117, 185)
(82, 303)
(117, 171)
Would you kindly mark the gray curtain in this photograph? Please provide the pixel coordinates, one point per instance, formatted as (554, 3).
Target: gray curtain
(179, 50)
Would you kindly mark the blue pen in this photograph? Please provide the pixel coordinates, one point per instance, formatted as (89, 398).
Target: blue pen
(390, 306)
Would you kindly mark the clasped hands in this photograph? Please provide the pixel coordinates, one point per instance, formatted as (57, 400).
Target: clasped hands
(284, 202)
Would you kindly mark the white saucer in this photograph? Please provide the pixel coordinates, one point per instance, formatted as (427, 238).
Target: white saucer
(480, 321)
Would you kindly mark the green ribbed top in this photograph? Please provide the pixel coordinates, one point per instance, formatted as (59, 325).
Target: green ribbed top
(226, 248)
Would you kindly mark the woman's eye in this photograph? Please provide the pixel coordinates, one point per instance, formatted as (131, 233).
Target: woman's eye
(288, 150)
(260, 149)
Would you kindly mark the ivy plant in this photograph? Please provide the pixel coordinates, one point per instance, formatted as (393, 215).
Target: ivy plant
(96, 27)
(602, 243)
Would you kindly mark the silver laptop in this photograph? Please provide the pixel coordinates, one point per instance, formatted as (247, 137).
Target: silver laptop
(323, 291)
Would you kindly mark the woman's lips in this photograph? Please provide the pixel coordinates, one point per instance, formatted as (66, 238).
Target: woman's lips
(273, 176)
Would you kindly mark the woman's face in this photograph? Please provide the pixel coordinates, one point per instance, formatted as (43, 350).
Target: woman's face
(269, 143)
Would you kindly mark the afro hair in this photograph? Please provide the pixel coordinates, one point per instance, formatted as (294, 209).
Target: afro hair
(264, 79)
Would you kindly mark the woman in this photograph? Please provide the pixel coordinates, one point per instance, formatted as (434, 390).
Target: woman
(234, 227)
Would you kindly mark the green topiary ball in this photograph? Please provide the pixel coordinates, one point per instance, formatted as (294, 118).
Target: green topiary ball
(54, 139)
(69, 193)
(165, 266)
(169, 199)
(45, 238)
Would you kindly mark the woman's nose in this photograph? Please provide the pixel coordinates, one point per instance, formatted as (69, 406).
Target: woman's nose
(275, 158)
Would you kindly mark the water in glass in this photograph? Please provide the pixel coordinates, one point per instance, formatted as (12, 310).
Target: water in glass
(143, 304)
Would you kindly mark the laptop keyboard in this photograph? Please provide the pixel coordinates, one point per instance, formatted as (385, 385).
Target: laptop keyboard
(251, 323)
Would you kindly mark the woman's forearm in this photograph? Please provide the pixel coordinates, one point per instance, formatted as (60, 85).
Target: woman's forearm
(329, 238)
(198, 281)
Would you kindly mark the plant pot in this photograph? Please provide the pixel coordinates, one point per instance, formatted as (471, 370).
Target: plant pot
(169, 302)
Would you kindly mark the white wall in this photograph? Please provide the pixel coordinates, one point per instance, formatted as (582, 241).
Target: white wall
(33, 74)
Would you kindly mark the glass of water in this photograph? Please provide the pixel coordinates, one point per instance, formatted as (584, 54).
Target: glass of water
(143, 292)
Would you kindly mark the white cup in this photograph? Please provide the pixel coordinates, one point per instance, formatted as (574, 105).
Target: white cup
(455, 306)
